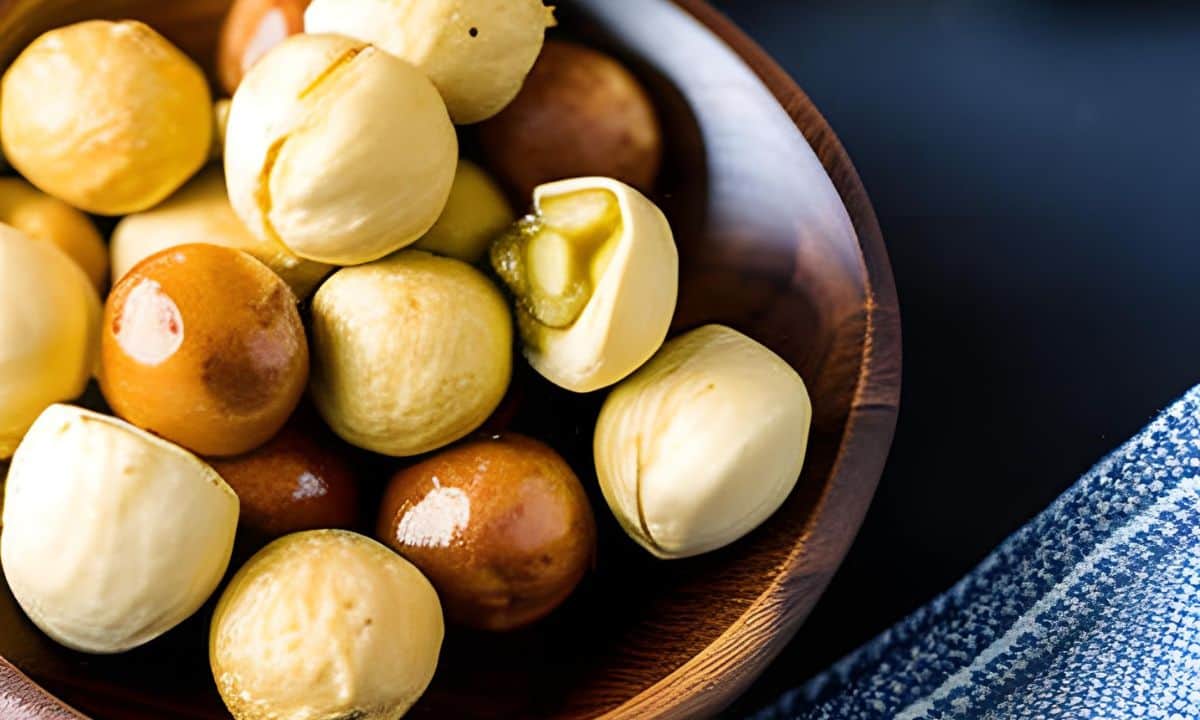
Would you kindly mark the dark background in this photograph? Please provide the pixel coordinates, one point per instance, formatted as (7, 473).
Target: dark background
(1036, 170)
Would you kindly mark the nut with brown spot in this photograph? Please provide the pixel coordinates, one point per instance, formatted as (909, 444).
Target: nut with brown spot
(203, 345)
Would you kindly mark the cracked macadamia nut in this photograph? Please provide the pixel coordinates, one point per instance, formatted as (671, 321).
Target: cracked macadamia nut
(200, 213)
(476, 53)
(338, 150)
(44, 217)
(49, 332)
(474, 215)
(250, 30)
(702, 444)
(297, 481)
(325, 624)
(410, 353)
(580, 113)
(203, 345)
(108, 116)
(500, 526)
(595, 274)
(112, 536)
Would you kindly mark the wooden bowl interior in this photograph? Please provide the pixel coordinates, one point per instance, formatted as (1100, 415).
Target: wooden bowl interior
(767, 246)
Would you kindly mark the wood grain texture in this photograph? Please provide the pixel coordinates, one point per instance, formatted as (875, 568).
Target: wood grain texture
(22, 699)
(778, 239)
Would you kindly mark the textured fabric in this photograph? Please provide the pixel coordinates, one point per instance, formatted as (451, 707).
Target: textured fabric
(1092, 610)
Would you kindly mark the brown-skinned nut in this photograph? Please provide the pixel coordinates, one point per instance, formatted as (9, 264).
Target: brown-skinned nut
(203, 345)
(579, 113)
(500, 526)
(251, 28)
(297, 481)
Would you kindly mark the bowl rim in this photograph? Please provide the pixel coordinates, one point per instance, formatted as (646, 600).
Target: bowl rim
(711, 680)
(23, 699)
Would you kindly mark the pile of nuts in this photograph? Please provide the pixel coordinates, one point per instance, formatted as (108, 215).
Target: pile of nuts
(344, 250)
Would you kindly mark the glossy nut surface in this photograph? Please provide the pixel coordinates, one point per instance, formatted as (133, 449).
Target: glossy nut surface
(200, 213)
(595, 288)
(476, 53)
(111, 536)
(702, 444)
(474, 215)
(108, 116)
(250, 30)
(580, 113)
(410, 353)
(325, 624)
(338, 150)
(44, 217)
(49, 332)
(501, 527)
(297, 481)
(203, 345)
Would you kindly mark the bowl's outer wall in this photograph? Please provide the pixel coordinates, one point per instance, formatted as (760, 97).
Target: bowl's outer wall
(778, 239)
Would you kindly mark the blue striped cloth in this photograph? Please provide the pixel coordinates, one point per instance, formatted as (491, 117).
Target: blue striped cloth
(1090, 611)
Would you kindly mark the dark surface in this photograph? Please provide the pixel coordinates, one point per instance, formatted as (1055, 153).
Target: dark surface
(1035, 167)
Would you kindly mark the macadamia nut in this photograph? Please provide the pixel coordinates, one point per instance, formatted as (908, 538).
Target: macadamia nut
(410, 353)
(220, 125)
(338, 150)
(702, 444)
(579, 113)
(201, 213)
(595, 273)
(501, 527)
(49, 332)
(250, 30)
(474, 215)
(44, 217)
(112, 536)
(325, 624)
(477, 53)
(107, 116)
(203, 345)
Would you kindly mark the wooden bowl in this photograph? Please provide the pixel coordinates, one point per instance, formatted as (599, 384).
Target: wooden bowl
(778, 239)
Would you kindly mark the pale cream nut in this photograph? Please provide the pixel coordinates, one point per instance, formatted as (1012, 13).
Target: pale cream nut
(409, 353)
(108, 116)
(338, 150)
(325, 624)
(49, 332)
(44, 217)
(201, 213)
(477, 53)
(474, 215)
(112, 536)
(629, 312)
(702, 444)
